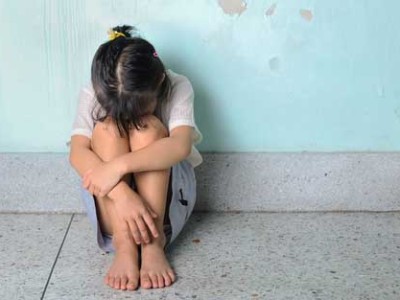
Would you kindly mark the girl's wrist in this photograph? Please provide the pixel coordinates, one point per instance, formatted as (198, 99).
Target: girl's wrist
(120, 165)
(120, 192)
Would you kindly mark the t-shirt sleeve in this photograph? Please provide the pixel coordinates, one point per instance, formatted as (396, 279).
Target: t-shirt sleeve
(83, 123)
(182, 100)
(182, 108)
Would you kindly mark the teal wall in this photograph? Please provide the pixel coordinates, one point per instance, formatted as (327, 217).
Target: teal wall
(268, 78)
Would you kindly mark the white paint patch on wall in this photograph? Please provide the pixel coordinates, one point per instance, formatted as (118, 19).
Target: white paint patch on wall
(271, 10)
(306, 14)
(233, 7)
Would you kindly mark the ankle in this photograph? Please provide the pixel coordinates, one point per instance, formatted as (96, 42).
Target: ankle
(122, 240)
(158, 242)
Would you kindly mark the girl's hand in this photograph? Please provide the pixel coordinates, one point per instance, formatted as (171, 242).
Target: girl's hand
(134, 212)
(101, 179)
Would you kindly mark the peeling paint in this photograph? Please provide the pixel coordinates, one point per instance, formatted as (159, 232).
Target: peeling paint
(306, 14)
(233, 7)
(274, 63)
(271, 10)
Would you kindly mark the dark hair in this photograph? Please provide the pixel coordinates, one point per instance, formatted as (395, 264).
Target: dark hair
(126, 76)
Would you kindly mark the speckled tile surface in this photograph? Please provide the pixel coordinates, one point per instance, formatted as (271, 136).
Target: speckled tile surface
(253, 256)
(258, 181)
(28, 248)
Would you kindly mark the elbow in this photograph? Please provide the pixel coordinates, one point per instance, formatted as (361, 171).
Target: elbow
(182, 147)
(186, 150)
(71, 159)
(73, 163)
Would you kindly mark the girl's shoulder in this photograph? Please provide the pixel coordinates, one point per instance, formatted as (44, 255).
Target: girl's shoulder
(179, 81)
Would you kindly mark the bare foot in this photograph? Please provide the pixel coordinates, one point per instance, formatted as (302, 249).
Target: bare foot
(155, 271)
(124, 271)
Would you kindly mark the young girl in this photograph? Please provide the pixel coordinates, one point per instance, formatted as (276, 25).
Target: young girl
(133, 145)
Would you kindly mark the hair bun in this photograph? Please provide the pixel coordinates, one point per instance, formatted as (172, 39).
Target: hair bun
(118, 31)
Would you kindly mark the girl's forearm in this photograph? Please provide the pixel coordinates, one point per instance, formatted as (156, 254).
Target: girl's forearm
(159, 155)
(83, 159)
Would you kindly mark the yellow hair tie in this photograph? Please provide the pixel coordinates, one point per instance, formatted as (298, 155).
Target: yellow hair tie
(114, 34)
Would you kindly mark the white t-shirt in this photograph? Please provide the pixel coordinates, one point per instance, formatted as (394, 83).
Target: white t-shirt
(179, 111)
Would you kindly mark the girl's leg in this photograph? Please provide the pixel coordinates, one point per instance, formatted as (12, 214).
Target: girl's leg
(153, 187)
(124, 272)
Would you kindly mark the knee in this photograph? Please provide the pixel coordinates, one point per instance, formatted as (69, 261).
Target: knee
(153, 131)
(106, 140)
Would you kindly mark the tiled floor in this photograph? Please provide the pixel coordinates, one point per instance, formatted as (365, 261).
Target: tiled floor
(239, 256)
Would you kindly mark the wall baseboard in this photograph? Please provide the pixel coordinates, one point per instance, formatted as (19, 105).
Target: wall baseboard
(304, 181)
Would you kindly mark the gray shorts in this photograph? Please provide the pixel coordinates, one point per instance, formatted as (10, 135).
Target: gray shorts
(181, 199)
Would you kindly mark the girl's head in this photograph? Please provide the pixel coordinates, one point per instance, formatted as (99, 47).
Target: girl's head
(129, 80)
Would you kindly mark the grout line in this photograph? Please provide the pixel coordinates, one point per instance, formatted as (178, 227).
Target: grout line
(58, 254)
(34, 212)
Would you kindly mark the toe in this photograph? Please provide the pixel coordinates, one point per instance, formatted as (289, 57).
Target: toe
(145, 281)
(117, 283)
(171, 275)
(132, 283)
(154, 280)
(124, 279)
(167, 280)
(106, 280)
(111, 280)
(160, 281)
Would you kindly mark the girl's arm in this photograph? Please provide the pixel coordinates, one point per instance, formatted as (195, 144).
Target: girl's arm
(82, 158)
(159, 155)
(127, 202)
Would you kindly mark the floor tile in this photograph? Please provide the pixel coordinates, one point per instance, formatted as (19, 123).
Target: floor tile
(28, 248)
(253, 256)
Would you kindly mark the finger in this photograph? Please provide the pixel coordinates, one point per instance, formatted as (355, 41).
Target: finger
(101, 192)
(153, 214)
(88, 182)
(97, 191)
(106, 191)
(143, 230)
(84, 183)
(134, 231)
(91, 189)
(85, 176)
(150, 223)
